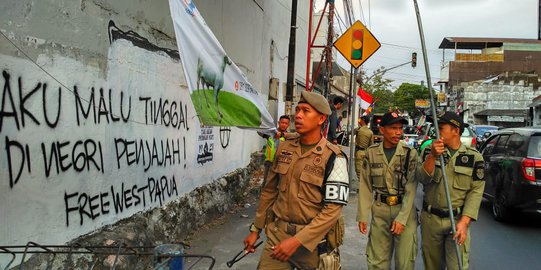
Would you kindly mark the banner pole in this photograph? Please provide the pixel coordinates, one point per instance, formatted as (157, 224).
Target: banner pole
(432, 105)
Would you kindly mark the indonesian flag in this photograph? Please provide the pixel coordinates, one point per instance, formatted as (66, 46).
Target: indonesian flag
(366, 99)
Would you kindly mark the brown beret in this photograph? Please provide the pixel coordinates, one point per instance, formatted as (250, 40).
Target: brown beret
(317, 101)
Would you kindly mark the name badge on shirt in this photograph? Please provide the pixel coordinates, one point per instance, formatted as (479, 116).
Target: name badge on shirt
(318, 171)
(376, 165)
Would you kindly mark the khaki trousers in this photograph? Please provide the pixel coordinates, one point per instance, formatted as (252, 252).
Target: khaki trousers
(438, 244)
(301, 259)
(382, 243)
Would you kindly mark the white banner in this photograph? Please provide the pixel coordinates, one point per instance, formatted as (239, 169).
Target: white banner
(220, 92)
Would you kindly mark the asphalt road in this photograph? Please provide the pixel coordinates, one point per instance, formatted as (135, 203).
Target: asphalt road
(513, 245)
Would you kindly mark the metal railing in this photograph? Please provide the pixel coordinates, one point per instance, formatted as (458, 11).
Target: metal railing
(160, 257)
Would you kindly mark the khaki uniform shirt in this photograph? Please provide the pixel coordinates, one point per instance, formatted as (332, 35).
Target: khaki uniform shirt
(465, 175)
(294, 191)
(363, 137)
(382, 177)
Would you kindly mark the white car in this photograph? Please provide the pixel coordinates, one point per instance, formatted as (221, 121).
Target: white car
(468, 137)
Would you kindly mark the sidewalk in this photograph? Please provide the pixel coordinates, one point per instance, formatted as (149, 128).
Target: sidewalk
(223, 239)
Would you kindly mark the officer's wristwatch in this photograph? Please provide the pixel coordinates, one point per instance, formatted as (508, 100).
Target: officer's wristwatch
(253, 228)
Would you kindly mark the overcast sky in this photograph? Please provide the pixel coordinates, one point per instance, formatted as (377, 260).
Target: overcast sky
(394, 24)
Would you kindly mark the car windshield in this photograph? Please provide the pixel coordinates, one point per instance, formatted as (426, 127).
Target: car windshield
(534, 148)
(482, 130)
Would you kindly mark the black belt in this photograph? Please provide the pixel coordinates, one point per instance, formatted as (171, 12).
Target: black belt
(439, 212)
(289, 227)
(388, 198)
(357, 148)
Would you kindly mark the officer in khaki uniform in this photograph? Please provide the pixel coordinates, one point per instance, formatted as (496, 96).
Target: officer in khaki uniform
(464, 167)
(387, 190)
(303, 205)
(363, 139)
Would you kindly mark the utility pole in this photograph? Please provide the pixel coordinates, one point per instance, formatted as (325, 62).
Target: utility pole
(291, 58)
(539, 20)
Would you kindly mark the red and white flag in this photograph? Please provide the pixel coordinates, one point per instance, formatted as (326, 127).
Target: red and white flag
(366, 99)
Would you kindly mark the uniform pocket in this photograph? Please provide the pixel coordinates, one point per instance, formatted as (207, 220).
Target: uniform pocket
(310, 187)
(281, 169)
(378, 179)
(463, 178)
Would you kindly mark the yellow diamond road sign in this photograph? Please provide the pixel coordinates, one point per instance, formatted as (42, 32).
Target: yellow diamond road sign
(357, 44)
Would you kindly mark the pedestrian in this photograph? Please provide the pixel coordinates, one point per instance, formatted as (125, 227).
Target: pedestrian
(363, 139)
(272, 143)
(304, 193)
(464, 168)
(387, 191)
(333, 119)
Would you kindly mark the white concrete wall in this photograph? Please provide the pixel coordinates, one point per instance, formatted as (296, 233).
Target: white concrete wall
(64, 174)
(478, 96)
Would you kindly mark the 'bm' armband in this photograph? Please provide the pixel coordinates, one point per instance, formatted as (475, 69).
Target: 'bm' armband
(336, 187)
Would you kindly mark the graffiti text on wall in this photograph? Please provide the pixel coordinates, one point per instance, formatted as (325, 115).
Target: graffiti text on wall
(78, 123)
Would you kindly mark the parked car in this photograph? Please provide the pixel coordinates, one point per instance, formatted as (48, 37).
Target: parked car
(483, 132)
(467, 138)
(513, 171)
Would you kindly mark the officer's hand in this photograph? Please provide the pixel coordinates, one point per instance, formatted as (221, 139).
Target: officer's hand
(285, 249)
(437, 147)
(278, 135)
(462, 230)
(249, 242)
(363, 227)
(397, 227)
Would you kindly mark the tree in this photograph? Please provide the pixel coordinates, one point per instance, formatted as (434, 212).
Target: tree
(385, 100)
(406, 94)
(379, 88)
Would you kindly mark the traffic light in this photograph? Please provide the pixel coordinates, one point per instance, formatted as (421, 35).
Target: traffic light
(357, 44)
(414, 59)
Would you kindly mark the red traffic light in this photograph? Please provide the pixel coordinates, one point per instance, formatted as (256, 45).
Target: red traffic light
(357, 44)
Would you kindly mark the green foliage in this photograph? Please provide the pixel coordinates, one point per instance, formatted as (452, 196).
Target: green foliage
(385, 100)
(407, 93)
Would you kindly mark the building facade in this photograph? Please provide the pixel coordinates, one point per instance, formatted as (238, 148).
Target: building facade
(491, 80)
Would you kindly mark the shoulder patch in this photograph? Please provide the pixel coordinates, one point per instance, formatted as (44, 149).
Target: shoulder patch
(465, 160)
(479, 171)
